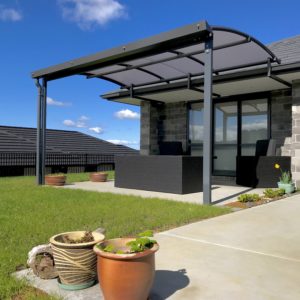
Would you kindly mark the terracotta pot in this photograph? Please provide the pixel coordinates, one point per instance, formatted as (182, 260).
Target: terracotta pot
(98, 177)
(57, 180)
(75, 263)
(125, 276)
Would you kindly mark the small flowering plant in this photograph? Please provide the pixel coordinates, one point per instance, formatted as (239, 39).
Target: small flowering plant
(286, 176)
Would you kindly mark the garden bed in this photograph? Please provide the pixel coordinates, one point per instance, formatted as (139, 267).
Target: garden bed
(263, 200)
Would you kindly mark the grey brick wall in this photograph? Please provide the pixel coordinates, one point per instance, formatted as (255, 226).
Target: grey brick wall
(162, 123)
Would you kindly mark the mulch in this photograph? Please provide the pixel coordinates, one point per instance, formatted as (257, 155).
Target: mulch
(244, 205)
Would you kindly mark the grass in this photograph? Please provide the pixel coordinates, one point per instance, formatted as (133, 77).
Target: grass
(30, 214)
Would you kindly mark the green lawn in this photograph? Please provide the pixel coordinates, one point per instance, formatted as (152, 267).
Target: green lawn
(29, 215)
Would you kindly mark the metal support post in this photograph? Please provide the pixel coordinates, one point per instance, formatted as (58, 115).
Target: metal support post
(44, 126)
(208, 116)
(38, 134)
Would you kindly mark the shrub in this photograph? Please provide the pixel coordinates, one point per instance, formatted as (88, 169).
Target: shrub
(249, 198)
(270, 193)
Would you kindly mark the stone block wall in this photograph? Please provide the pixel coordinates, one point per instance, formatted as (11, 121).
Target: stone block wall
(281, 120)
(162, 122)
(286, 122)
(295, 139)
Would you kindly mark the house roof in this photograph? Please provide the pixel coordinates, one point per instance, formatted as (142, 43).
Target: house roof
(23, 139)
(288, 50)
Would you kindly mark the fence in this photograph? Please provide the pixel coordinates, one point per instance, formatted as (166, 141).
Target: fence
(16, 163)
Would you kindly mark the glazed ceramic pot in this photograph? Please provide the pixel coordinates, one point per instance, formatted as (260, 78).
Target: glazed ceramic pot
(287, 187)
(98, 177)
(75, 263)
(125, 276)
(57, 180)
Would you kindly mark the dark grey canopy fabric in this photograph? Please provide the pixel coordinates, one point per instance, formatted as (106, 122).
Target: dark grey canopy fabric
(167, 57)
(232, 50)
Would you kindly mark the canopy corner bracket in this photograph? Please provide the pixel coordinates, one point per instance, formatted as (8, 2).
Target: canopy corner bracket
(275, 77)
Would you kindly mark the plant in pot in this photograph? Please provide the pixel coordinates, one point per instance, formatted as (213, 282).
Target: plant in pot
(74, 258)
(126, 267)
(98, 177)
(285, 181)
(58, 179)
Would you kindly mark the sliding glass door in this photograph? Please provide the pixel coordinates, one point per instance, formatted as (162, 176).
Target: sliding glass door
(225, 138)
(237, 126)
(254, 124)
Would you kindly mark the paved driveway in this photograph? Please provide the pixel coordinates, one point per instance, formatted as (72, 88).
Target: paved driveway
(251, 254)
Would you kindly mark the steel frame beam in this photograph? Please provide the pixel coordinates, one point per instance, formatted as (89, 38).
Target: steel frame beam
(275, 77)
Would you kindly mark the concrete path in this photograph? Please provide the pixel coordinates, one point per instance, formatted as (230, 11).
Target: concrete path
(252, 254)
(221, 194)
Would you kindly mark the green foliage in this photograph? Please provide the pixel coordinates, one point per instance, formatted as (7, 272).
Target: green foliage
(148, 233)
(30, 215)
(270, 193)
(286, 177)
(142, 242)
(109, 248)
(249, 198)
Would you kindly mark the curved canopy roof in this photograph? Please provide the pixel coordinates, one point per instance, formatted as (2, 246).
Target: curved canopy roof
(167, 57)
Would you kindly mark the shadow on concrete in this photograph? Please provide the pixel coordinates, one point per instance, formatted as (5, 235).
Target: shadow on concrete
(166, 283)
(231, 196)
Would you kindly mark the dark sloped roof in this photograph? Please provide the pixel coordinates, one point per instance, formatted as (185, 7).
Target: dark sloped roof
(22, 139)
(288, 50)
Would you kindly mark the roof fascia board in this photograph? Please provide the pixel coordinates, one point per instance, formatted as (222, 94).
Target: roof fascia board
(183, 36)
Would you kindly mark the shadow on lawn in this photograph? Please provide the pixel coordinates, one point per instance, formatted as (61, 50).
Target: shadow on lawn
(167, 283)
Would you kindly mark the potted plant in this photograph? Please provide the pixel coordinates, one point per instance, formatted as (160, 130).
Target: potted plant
(126, 267)
(58, 179)
(285, 181)
(98, 177)
(74, 258)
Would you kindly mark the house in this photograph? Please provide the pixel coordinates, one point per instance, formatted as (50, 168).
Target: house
(67, 151)
(216, 91)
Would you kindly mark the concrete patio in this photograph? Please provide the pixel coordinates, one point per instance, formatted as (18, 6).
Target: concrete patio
(250, 254)
(221, 194)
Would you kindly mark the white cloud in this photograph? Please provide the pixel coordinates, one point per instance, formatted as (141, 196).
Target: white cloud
(255, 126)
(88, 13)
(196, 131)
(81, 122)
(127, 114)
(9, 14)
(123, 142)
(69, 123)
(51, 101)
(96, 129)
(83, 118)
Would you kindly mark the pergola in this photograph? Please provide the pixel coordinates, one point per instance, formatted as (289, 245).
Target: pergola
(190, 57)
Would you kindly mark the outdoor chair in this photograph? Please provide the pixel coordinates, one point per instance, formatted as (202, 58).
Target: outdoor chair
(258, 170)
(170, 148)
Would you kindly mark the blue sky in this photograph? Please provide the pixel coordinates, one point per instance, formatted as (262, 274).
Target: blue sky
(39, 33)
